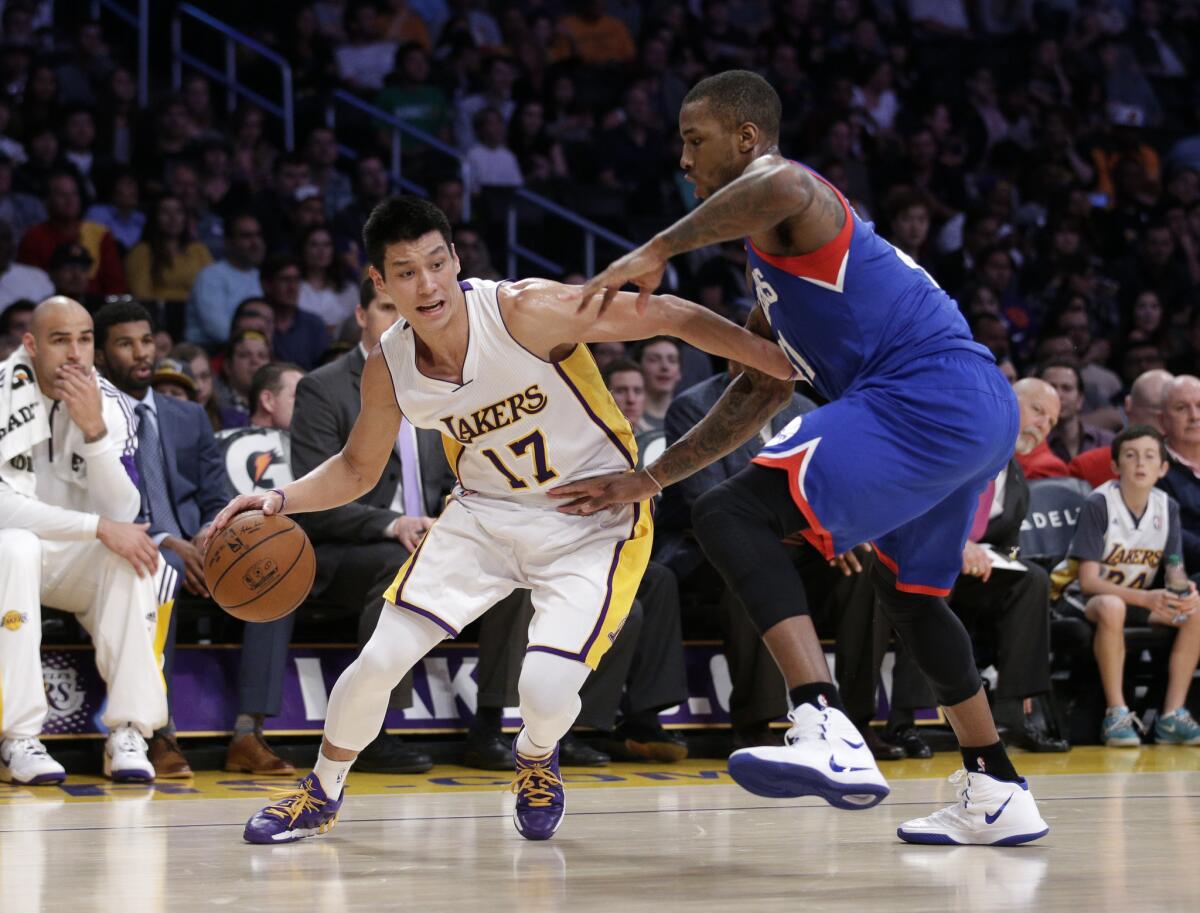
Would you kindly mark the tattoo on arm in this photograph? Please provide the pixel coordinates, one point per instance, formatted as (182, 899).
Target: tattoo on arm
(754, 202)
(748, 404)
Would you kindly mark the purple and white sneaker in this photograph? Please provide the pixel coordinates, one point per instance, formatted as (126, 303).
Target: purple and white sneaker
(297, 813)
(541, 798)
(27, 763)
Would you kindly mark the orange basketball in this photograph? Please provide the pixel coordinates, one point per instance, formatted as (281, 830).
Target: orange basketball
(259, 568)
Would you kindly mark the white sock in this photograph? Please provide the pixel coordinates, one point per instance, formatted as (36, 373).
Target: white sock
(331, 775)
(527, 748)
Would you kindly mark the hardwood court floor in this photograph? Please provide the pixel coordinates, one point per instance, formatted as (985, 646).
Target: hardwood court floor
(1125, 834)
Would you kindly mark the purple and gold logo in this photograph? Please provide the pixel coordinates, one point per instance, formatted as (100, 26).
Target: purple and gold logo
(13, 620)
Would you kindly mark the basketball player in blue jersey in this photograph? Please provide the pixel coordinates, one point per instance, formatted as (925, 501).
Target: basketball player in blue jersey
(918, 420)
(500, 369)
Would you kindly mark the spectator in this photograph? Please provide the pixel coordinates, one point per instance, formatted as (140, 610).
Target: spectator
(68, 540)
(248, 351)
(1039, 414)
(492, 163)
(204, 200)
(473, 255)
(539, 157)
(63, 225)
(120, 214)
(17, 280)
(1071, 434)
(371, 186)
(448, 197)
(300, 336)
(625, 382)
(409, 94)
(274, 206)
(173, 378)
(69, 268)
(1143, 406)
(20, 210)
(499, 76)
(221, 286)
(659, 361)
(195, 360)
(17, 317)
(169, 140)
(79, 140)
(1125, 531)
(364, 60)
(117, 129)
(321, 153)
(598, 39)
(909, 217)
(1181, 423)
(1187, 360)
(325, 290)
(166, 263)
(632, 156)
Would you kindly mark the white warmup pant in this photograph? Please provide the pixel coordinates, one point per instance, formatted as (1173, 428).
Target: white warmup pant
(117, 608)
(549, 684)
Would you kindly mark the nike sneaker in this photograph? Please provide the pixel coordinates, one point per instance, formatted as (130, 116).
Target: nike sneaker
(988, 811)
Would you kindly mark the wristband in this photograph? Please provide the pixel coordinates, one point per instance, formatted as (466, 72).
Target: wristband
(650, 476)
(282, 498)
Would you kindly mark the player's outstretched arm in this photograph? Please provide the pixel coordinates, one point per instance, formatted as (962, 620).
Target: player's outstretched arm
(747, 404)
(542, 316)
(768, 192)
(348, 474)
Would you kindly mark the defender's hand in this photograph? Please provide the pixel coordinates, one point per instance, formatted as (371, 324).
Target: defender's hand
(592, 495)
(643, 267)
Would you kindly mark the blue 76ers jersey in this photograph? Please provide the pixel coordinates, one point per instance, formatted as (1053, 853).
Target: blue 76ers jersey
(856, 308)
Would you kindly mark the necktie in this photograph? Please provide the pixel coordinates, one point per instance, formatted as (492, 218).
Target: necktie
(410, 477)
(151, 464)
(982, 512)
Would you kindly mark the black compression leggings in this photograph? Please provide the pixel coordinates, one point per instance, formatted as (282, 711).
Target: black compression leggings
(740, 524)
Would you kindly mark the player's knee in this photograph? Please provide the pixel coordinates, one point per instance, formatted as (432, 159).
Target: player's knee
(19, 548)
(710, 515)
(1107, 611)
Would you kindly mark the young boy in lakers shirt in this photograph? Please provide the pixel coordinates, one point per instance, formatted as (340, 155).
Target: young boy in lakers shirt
(502, 371)
(1126, 531)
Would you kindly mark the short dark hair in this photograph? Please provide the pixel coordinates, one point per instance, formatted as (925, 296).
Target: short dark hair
(616, 366)
(1132, 433)
(1071, 366)
(366, 293)
(276, 263)
(403, 218)
(232, 221)
(269, 377)
(737, 96)
(20, 306)
(244, 305)
(654, 340)
(118, 312)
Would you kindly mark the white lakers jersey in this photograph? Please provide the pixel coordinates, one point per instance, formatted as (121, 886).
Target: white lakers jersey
(517, 426)
(1133, 551)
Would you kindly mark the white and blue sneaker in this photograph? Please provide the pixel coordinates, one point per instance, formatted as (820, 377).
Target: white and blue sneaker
(824, 756)
(26, 762)
(1177, 728)
(990, 812)
(1120, 728)
(125, 758)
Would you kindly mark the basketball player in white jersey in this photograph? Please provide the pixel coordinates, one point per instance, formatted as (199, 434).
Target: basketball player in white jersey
(501, 370)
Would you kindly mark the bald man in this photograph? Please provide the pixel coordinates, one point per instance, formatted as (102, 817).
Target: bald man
(1040, 409)
(1014, 606)
(1181, 424)
(1143, 406)
(67, 540)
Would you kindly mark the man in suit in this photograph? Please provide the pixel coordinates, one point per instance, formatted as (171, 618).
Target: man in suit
(361, 546)
(1010, 608)
(181, 478)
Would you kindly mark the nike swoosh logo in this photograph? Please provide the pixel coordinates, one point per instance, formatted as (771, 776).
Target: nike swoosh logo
(991, 819)
(838, 768)
(853, 744)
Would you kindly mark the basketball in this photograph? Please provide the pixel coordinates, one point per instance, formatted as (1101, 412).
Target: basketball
(259, 568)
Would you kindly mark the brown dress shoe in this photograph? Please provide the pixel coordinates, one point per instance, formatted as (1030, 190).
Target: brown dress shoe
(249, 753)
(168, 760)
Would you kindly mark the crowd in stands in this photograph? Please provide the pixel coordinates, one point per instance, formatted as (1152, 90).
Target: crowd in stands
(1039, 159)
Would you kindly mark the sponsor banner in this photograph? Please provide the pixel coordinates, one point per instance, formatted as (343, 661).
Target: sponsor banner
(205, 695)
